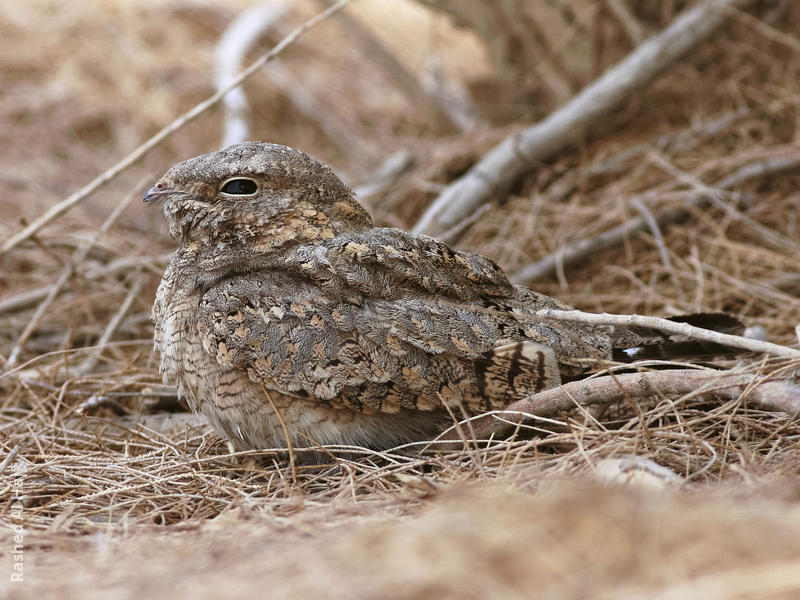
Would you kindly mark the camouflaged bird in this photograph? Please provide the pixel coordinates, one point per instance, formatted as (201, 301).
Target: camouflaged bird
(285, 310)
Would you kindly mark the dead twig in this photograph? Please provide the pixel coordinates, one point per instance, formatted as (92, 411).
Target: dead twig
(289, 445)
(630, 24)
(239, 38)
(9, 459)
(765, 29)
(681, 140)
(684, 329)
(573, 253)
(717, 197)
(652, 224)
(91, 361)
(77, 257)
(672, 142)
(123, 264)
(521, 152)
(386, 175)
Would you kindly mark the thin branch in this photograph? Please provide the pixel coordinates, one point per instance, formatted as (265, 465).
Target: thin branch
(60, 208)
(574, 253)
(674, 141)
(23, 299)
(630, 25)
(521, 152)
(717, 198)
(677, 328)
(9, 459)
(652, 225)
(385, 176)
(154, 264)
(452, 235)
(239, 38)
(289, 445)
(671, 142)
(77, 257)
(89, 363)
(765, 29)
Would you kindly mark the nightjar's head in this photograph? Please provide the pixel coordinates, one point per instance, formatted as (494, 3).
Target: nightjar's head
(255, 193)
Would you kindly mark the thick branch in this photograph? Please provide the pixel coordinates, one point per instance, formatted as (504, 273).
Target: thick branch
(517, 154)
(236, 41)
(780, 395)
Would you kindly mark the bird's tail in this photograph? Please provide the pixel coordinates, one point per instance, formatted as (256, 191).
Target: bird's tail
(641, 343)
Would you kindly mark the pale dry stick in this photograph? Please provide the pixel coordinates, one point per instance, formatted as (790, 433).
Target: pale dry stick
(674, 327)
(630, 25)
(78, 257)
(452, 235)
(386, 175)
(9, 459)
(236, 41)
(19, 301)
(652, 224)
(451, 95)
(699, 283)
(91, 361)
(574, 253)
(467, 443)
(154, 264)
(239, 38)
(59, 209)
(781, 395)
(521, 152)
(60, 353)
(766, 290)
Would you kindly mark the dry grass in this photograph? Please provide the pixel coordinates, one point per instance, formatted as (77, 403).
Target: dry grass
(115, 479)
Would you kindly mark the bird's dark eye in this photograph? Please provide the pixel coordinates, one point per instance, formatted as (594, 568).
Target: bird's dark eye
(240, 186)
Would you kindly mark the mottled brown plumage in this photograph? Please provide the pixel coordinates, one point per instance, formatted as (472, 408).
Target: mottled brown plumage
(282, 292)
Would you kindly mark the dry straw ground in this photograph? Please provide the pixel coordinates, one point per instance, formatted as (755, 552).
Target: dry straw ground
(123, 495)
